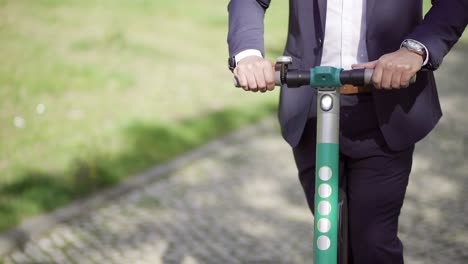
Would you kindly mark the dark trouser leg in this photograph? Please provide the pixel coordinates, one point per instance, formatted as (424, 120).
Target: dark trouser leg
(377, 178)
(376, 190)
(304, 155)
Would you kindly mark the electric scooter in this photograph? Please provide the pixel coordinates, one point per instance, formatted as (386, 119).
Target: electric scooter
(331, 211)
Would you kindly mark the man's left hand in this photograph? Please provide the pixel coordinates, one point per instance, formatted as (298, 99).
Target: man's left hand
(393, 70)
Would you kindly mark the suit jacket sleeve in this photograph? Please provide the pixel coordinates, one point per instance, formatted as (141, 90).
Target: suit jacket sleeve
(441, 28)
(246, 25)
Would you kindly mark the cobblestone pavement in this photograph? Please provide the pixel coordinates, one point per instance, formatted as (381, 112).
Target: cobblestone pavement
(243, 204)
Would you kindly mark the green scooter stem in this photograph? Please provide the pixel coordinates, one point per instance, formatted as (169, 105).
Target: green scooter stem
(326, 176)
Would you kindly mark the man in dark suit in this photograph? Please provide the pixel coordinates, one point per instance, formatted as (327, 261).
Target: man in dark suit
(379, 126)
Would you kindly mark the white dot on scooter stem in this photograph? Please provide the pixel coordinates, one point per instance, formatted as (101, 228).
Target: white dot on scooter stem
(325, 190)
(324, 225)
(325, 173)
(323, 243)
(324, 208)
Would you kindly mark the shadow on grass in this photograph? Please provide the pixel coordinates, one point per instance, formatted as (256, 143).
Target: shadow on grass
(149, 144)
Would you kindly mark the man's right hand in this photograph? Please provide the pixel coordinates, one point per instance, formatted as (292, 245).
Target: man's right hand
(255, 74)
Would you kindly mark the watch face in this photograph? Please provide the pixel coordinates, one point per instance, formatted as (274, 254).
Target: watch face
(413, 45)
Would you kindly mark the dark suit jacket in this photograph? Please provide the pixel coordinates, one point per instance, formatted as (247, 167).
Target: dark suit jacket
(405, 116)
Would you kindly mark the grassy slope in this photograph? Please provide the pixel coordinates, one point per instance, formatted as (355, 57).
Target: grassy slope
(125, 85)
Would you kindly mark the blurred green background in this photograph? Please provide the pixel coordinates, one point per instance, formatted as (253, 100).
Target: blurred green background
(94, 91)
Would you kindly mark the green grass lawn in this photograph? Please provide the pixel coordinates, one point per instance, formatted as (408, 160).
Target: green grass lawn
(94, 91)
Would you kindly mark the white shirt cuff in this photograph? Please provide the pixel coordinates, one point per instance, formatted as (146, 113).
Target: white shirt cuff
(246, 53)
(426, 60)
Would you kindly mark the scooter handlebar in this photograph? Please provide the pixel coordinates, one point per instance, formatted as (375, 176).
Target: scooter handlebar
(297, 78)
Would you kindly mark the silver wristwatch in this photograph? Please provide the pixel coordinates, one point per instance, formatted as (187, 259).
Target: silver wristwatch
(414, 46)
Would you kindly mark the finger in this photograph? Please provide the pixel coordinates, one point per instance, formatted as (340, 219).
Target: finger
(396, 80)
(405, 75)
(367, 65)
(269, 77)
(377, 76)
(386, 82)
(388, 68)
(405, 79)
(252, 83)
(260, 79)
(241, 78)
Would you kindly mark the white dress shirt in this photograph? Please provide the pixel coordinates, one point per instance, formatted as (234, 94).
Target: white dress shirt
(345, 35)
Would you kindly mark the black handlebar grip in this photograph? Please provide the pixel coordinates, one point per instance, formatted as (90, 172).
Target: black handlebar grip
(360, 77)
(295, 79)
(355, 77)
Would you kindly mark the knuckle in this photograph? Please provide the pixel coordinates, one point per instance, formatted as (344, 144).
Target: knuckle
(402, 67)
(383, 59)
(252, 84)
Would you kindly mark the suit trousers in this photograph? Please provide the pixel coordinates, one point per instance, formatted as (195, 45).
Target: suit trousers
(374, 177)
